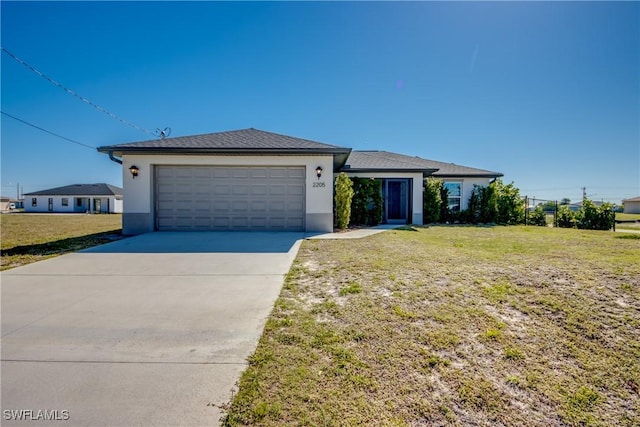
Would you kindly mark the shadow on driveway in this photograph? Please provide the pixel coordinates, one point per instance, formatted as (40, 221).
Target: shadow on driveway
(204, 242)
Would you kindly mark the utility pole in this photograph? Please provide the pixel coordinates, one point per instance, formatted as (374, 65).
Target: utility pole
(584, 193)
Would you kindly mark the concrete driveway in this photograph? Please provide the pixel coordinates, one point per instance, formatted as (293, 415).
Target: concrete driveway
(150, 330)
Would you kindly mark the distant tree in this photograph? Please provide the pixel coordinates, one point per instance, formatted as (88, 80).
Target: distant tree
(548, 205)
(565, 201)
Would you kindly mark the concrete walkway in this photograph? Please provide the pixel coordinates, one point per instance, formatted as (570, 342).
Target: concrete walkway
(150, 330)
(357, 233)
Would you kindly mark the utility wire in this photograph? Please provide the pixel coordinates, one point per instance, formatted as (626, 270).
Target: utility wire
(47, 131)
(82, 98)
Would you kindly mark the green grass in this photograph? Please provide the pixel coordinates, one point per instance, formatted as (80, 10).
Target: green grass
(627, 217)
(452, 326)
(631, 221)
(27, 238)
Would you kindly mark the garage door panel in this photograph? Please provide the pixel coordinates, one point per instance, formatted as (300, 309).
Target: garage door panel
(230, 198)
(296, 173)
(277, 190)
(277, 172)
(240, 190)
(258, 172)
(295, 190)
(259, 190)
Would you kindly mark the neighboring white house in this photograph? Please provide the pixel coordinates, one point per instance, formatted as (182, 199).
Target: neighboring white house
(632, 206)
(78, 198)
(255, 180)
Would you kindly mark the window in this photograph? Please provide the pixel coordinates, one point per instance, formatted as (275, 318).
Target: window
(34, 201)
(454, 190)
(65, 201)
(78, 202)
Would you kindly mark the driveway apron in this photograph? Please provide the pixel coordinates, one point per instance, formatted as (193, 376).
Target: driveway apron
(150, 330)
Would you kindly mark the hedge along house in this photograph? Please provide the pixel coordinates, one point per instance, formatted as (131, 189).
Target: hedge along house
(76, 198)
(402, 182)
(255, 180)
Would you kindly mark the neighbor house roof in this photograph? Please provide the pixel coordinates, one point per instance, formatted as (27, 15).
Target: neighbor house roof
(386, 161)
(634, 199)
(80, 190)
(244, 141)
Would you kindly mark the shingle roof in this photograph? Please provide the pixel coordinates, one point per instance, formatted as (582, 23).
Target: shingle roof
(386, 161)
(633, 199)
(244, 139)
(80, 190)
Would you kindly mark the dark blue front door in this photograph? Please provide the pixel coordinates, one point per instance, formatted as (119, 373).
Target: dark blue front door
(396, 195)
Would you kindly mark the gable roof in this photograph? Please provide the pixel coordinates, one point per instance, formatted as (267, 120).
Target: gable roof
(385, 161)
(382, 161)
(80, 190)
(244, 141)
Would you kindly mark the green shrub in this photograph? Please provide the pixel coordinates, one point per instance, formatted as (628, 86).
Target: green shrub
(496, 203)
(342, 199)
(432, 200)
(444, 206)
(509, 204)
(566, 217)
(483, 206)
(592, 217)
(538, 216)
(366, 205)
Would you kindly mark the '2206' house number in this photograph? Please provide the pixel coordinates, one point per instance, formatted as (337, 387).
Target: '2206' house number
(318, 184)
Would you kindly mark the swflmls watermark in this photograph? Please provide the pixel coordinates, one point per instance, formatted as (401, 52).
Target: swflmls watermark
(35, 414)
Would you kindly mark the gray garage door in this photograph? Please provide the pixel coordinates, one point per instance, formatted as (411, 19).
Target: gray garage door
(230, 198)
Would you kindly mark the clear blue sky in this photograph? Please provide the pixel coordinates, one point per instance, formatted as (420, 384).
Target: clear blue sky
(546, 93)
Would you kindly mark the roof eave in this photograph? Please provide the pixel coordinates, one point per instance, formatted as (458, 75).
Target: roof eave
(387, 170)
(340, 155)
(468, 175)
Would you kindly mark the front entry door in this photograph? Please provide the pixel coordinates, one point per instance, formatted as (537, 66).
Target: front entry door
(396, 201)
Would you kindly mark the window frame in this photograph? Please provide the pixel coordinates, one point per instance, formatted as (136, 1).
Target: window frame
(454, 203)
(34, 202)
(64, 201)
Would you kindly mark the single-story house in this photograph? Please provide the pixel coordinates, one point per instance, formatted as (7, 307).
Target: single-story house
(78, 198)
(632, 205)
(255, 180)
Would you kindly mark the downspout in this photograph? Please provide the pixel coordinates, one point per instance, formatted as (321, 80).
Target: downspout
(114, 159)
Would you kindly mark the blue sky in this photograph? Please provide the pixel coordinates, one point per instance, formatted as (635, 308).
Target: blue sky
(546, 93)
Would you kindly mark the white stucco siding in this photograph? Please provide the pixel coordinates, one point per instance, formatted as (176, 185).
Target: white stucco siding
(117, 206)
(139, 192)
(632, 207)
(417, 188)
(107, 204)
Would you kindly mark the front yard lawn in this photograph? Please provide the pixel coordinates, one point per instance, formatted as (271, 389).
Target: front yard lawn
(27, 238)
(452, 326)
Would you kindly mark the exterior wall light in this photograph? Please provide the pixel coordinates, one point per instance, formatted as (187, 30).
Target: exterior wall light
(319, 172)
(134, 171)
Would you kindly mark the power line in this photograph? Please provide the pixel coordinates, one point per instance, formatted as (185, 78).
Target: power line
(80, 97)
(47, 131)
